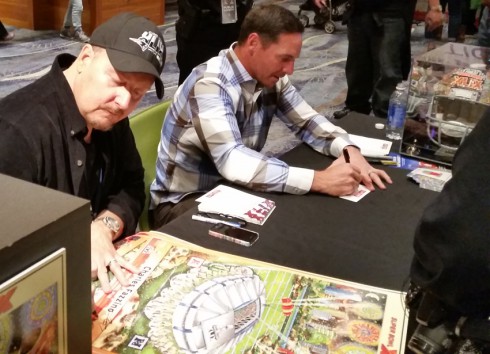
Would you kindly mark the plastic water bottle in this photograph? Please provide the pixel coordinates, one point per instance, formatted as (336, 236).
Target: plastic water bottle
(397, 110)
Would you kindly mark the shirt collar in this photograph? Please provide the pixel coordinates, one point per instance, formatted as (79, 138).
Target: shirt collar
(244, 78)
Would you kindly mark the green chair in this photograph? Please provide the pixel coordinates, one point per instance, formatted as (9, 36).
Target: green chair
(146, 126)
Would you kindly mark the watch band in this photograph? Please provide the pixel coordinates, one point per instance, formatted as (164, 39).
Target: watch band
(111, 223)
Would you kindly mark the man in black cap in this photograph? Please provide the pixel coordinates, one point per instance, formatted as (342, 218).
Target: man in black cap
(69, 130)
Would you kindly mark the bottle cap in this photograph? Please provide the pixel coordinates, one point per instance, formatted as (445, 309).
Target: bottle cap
(479, 66)
(379, 125)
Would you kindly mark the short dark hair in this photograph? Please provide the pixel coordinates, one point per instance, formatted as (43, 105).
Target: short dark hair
(269, 21)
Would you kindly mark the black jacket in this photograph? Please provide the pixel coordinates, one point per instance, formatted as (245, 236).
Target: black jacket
(452, 242)
(383, 8)
(201, 20)
(41, 141)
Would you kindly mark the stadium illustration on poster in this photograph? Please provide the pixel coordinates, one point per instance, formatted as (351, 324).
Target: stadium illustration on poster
(187, 299)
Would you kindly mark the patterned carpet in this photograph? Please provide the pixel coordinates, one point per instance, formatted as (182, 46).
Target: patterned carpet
(319, 72)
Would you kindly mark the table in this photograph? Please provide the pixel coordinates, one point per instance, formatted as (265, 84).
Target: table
(368, 242)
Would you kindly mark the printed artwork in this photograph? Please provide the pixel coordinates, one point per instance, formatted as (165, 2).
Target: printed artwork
(187, 299)
(32, 312)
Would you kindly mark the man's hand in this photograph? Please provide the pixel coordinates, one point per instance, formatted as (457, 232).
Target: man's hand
(342, 178)
(320, 3)
(369, 174)
(337, 180)
(434, 17)
(104, 257)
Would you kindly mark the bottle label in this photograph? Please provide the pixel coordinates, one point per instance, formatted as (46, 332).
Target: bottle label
(396, 116)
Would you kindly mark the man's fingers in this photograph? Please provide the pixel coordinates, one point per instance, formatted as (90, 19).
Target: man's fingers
(377, 177)
(128, 265)
(118, 266)
(104, 280)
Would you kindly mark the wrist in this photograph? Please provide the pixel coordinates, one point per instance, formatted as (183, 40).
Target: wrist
(110, 224)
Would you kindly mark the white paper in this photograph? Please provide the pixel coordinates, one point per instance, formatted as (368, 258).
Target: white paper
(362, 191)
(371, 147)
(233, 202)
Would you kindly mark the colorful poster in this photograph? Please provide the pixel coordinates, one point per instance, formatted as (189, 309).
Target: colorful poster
(188, 299)
(33, 308)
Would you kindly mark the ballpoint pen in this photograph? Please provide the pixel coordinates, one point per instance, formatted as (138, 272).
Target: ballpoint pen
(215, 221)
(224, 217)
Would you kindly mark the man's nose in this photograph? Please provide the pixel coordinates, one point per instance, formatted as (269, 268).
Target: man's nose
(123, 98)
(289, 68)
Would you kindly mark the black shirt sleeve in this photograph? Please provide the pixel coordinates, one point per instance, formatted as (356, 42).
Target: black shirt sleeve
(122, 190)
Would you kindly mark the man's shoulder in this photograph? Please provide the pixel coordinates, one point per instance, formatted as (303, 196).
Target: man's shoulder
(218, 70)
(28, 100)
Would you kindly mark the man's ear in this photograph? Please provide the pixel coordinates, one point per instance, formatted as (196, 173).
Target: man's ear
(253, 41)
(86, 54)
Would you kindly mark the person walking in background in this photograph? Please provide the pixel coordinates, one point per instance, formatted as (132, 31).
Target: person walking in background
(456, 28)
(72, 24)
(484, 27)
(204, 28)
(4, 34)
(379, 54)
(379, 35)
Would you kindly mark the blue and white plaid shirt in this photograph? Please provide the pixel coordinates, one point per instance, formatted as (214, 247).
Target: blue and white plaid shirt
(218, 124)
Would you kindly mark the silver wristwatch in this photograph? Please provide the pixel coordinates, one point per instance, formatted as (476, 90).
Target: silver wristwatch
(111, 223)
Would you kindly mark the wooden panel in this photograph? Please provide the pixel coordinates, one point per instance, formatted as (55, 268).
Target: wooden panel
(49, 14)
(18, 13)
(102, 10)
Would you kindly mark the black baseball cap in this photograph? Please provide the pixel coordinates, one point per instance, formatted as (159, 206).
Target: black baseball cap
(133, 44)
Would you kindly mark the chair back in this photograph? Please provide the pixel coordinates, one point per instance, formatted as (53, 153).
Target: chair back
(146, 126)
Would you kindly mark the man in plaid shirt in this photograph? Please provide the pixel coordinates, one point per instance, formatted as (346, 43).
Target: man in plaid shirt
(221, 115)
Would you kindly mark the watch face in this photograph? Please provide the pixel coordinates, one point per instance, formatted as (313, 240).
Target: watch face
(111, 223)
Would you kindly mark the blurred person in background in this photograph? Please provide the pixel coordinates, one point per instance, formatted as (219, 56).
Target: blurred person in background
(205, 27)
(378, 56)
(72, 24)
(4, 34)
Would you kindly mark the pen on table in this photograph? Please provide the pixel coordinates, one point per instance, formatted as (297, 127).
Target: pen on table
(221, 216)
(215, 221)
(383, 160)
(346, 155)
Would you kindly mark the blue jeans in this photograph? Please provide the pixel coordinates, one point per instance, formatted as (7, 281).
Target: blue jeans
(73, 15)
(374, 61)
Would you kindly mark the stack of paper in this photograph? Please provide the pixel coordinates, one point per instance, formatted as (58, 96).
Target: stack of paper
(235, 203)
(431, 179)
(371, 147)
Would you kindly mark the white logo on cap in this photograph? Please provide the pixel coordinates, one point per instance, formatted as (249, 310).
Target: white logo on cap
(152, 42)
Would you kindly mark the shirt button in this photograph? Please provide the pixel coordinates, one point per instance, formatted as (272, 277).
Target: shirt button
(72, 132)
(79, 163)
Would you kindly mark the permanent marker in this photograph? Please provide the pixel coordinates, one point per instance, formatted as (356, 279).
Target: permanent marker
(346, 155)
